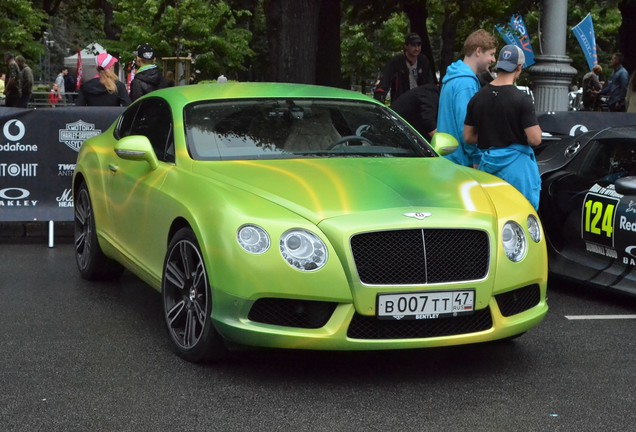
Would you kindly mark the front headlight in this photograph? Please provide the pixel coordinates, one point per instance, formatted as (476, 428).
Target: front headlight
(533, 229)
(514, 241)
(253, 239)
(303, 250)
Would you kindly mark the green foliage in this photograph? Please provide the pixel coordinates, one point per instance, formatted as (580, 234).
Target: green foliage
(77, 24)
(21, 26)
(367, 48)
(224, 38)
(205, 30)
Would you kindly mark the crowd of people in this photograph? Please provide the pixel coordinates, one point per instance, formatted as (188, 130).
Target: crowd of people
(104, 89)
(493, 121)
(618, 94)
(18, 81)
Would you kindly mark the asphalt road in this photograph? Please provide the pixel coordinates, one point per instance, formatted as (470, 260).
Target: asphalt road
(79, 356)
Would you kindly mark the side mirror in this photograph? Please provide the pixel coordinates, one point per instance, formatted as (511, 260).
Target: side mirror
(137, 148)
(443, 143)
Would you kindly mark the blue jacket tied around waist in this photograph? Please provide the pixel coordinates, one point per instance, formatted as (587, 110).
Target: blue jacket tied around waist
(517, 165)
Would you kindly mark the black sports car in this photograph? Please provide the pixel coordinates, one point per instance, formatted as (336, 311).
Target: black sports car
(588, 207)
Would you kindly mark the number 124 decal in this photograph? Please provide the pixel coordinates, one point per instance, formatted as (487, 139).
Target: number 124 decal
(598, 219)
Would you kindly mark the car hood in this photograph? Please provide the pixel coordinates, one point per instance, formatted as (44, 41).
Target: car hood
(319, 189)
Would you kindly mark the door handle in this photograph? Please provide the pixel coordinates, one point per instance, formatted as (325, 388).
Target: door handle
(113, 168)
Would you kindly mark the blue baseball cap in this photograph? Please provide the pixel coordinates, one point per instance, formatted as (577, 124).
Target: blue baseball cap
(510, 57)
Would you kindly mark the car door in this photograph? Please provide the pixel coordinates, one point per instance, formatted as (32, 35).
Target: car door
(608, 225)
(135, 189)
(585, 208)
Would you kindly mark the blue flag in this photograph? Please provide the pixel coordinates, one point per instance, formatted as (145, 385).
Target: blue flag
(506, 34)
(516, 33)
(584, 32)
(523, 38)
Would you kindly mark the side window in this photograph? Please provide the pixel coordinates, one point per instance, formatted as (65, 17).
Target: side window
(126, 122)
(154, 120)
(610, 160)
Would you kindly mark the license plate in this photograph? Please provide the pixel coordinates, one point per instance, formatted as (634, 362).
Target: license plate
(428, 305)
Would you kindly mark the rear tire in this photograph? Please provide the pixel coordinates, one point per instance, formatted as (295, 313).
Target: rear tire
(91, 261)
(187, 301)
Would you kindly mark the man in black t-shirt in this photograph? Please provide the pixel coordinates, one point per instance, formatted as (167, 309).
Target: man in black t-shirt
(501, 120)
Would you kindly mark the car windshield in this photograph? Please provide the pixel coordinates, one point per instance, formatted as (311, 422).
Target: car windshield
(297, 128)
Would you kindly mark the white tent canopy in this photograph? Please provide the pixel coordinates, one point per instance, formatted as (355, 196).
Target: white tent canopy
(88, 60)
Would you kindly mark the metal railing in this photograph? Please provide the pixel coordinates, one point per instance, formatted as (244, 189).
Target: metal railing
(41, 100)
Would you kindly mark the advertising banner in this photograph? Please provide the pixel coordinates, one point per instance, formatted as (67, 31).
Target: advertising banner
(38, 151)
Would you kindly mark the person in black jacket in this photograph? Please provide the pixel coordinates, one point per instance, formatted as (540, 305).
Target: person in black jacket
(418, 106)
(405, 71)
(105, 89)
(147, 77)
(12, 83)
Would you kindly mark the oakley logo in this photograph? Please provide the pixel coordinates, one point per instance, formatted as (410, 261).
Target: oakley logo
(631, 250)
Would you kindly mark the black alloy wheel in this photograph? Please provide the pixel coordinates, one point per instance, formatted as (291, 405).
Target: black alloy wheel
(187, 301)
(91, 261)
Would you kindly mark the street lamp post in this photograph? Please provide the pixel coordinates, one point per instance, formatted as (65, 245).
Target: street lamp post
(48, 43)
(552, 73)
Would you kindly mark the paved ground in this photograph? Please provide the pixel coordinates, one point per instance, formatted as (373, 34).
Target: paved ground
(79, 356)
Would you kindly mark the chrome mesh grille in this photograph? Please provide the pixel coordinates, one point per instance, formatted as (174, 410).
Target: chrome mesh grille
(421, 256)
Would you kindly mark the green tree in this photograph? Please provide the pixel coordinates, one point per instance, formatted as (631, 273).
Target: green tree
(373, 13)
(224, 38)
(367, 48)
(21, 28)
(206, 30)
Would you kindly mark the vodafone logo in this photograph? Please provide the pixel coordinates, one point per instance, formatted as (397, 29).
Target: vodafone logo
(14, 130)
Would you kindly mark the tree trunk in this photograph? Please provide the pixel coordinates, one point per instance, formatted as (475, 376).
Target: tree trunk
(417, 12)
(627, 33)
(449, 36)
(110, 29)
(292, 29)
(328, 60)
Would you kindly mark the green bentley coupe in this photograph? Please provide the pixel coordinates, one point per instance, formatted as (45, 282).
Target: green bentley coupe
(304, 217)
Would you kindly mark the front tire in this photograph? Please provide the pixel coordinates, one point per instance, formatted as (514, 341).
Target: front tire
(91, 261)
(187, 301)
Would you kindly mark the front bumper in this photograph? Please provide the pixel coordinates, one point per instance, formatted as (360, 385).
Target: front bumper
(506, 315)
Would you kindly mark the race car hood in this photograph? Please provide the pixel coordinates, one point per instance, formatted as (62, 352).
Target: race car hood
(319, 189)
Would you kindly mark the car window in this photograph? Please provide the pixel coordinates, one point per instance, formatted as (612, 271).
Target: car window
(267, 129)
(126, 122)
(610, 160)
(151, 118)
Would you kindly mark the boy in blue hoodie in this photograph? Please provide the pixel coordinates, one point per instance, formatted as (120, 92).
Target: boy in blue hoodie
(501, 120)
(459, 85)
